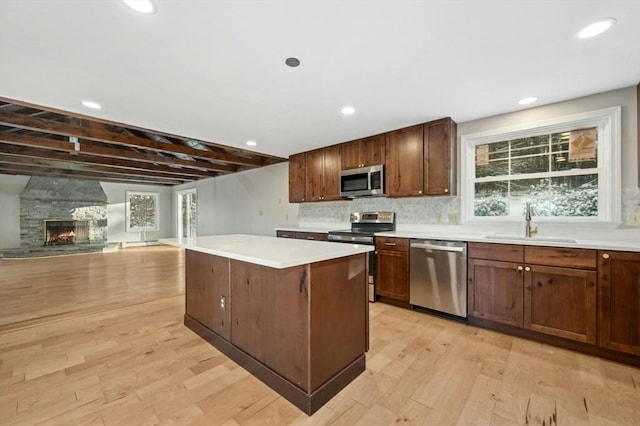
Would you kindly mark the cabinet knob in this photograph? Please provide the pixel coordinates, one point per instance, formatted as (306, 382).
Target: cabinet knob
(520, 268)
(446, 190)
(420, 192)
(527, 269)
(605, 255)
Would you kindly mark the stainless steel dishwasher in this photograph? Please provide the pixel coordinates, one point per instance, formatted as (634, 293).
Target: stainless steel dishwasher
(438, 276)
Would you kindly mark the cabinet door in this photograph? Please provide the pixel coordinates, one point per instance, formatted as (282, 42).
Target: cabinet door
(561, 301)
(372, 150)
(269, 304)
(296, 178)
(404, 162)
(207, 291)
(351, 158)
(392, 274)
(440, 157)
(619, 301)
(314, 175)
(496, 291)
(331, 175)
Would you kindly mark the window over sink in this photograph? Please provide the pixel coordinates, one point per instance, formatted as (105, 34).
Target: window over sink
(567, 168)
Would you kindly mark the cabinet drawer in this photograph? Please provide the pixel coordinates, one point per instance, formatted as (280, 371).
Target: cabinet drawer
(560, 256)
(390, 243)
(491, 251)
(285, 234)
(318, 236)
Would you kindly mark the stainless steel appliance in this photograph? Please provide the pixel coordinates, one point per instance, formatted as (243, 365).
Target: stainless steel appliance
(363, 181)
(364, 225)
(438, 276)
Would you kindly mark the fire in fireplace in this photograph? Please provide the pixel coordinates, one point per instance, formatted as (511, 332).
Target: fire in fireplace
(62, 232)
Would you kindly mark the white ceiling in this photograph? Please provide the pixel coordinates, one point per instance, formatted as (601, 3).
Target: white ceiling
(214, 70)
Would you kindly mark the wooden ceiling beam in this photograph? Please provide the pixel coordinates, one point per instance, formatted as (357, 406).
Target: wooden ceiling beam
(106, 151)
(183, 173)
(17, 169)
(83, 168)
(102, 135)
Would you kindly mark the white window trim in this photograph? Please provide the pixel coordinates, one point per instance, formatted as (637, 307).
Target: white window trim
(608, 121)
(179, 195)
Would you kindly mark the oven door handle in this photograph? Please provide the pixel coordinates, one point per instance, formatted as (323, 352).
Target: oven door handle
(436, 247)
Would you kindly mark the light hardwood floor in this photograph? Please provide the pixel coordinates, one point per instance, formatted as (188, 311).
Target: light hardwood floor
(139, 365)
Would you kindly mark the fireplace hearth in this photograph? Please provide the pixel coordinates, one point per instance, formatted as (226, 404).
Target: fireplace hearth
(66, 232)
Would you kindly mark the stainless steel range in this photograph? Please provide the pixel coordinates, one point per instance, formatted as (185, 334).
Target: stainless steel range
(364, 225)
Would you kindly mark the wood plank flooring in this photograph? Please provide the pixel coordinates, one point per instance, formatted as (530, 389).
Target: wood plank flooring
(138, 365)
(33, 291)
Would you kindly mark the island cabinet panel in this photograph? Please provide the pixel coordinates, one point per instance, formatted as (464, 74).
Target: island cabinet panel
(496, 291)
(561, 301)
(404, 154)
(270, 317)
(207, 291)
(338, 315)
(619, 301)
(297, 178)
(440, 153)
(363, 152)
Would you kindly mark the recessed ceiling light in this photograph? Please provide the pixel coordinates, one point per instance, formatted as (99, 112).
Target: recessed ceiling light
(91, 104)
(251, 143)
(348, 110)
(292, 62)
(529, 100)
(142, 6)
(596, 28)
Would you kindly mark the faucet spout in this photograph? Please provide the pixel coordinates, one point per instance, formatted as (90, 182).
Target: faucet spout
(528, 231)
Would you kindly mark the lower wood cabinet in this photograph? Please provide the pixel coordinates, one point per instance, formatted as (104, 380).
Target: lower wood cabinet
(495, 275)
(207, 291)
(392, 268)
(561, 301)
(317, 236)
(619, 301)
(496, 291)
(532, 290)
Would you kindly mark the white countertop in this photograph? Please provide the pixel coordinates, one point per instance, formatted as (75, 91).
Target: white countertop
(268, 251)
(533, 241)
(460, 233)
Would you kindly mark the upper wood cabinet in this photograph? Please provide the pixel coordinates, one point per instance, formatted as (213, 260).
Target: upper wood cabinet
(363, 152)
(404, 153)
(619, 301)
(440, 157)
(297, 178)
(322, 176)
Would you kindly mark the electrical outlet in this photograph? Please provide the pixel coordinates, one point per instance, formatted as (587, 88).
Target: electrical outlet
(633, 219)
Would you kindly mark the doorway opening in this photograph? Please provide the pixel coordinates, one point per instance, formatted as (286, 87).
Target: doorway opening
(187, 213)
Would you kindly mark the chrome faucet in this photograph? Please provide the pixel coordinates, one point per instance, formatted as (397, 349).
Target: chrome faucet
(527, 229)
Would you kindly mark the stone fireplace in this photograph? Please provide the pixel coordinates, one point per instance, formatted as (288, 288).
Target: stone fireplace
(59, 216)
(64, 232)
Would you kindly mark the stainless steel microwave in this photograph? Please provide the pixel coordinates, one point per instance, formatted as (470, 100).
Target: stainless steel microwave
(362, 182)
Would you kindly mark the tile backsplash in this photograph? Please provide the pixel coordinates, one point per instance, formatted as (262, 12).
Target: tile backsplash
(423, 210)
(418, 210)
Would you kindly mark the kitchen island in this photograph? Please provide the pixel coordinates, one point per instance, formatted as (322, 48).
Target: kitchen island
(294, 313)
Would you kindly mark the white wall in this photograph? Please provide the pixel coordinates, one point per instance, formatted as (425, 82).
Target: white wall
(116, 196)
(11, 186)
(250, 202)
(627, 98)
(10, 189)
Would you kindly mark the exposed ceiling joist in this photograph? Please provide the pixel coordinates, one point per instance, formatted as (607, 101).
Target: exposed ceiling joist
(43, 141)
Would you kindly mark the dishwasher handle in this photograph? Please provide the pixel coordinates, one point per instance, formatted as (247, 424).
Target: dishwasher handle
(437, 247)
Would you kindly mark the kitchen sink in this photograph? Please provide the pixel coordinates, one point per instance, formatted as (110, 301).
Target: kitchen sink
(540, 239)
